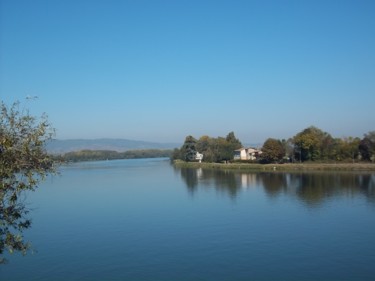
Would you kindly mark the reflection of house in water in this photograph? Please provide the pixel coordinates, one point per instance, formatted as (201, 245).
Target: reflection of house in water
(248, 180)
(249, 153)
(199, 173)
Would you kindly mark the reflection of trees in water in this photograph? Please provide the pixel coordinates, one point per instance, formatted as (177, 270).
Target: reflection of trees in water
(311, 188)
(190, 176)
(225, 181)
(314, 188)
(221, 180)
(273, 183)
(12, 224)
(367, 186)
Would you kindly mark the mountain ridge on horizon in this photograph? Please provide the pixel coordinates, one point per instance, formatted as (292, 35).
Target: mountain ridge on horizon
(60, 146)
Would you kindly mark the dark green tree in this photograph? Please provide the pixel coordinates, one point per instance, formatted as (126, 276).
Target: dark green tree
(367, 146)
(233, 143)
(188, 150)
(224, 151)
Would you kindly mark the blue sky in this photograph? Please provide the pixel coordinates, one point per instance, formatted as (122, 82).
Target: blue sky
(162, 70)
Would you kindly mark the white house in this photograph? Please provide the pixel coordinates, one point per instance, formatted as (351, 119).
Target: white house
(249, 153)
(199, 157)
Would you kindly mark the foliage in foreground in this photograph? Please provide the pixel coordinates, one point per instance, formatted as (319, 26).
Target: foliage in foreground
(24, 162)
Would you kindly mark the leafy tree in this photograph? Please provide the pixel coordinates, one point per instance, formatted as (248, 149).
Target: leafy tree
(24, 162)
(327, 146)
(203, 144)
(206, 146)
(13, 222)
(312, 144)
(224, 150)
(23, 158)
(272, 151)
(211, 148)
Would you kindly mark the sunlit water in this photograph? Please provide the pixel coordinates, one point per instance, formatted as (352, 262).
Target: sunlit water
(145, 220)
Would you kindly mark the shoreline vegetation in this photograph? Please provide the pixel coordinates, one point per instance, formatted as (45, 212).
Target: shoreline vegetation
(309, 150)
(287, 167)
(98, 155)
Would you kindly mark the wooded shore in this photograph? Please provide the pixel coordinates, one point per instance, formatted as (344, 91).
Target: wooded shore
(288, 167)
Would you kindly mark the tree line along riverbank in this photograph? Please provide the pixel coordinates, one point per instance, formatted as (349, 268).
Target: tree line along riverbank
(310, 145)
(98, 155)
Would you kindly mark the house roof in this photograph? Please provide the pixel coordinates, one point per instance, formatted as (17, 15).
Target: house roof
(247, 148)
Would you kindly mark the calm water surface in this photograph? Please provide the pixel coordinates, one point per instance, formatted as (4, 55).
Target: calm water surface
(145, 220)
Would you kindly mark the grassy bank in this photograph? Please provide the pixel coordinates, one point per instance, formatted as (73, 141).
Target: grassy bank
(281, 167)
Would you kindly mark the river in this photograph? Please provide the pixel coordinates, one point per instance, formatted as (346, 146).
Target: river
(147, 220)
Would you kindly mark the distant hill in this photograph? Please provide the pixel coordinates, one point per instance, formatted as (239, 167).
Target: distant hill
(120, 145)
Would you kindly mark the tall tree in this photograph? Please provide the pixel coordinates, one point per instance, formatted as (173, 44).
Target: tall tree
(188, 150)
(231, 144)
(233, 141)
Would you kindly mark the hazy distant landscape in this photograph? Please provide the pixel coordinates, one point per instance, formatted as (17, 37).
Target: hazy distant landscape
(119, 145)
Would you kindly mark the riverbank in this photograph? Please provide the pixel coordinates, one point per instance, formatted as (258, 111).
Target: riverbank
(280, 167)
